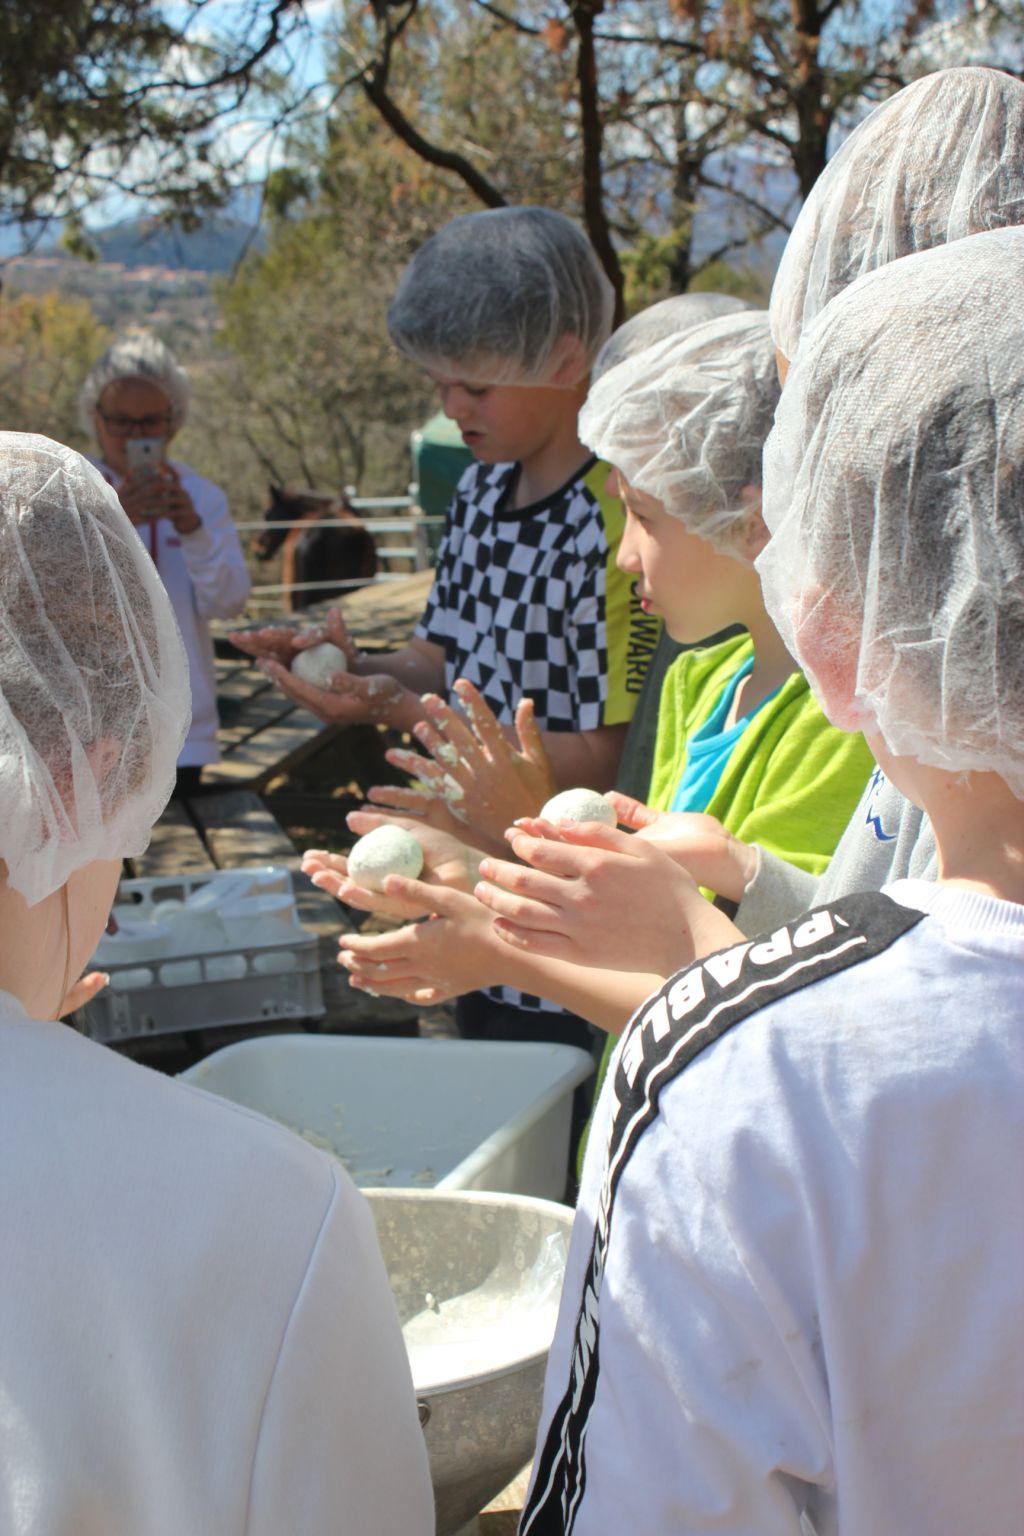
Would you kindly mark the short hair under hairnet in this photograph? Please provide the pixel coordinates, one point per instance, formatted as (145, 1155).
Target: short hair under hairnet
(941, 159)
(894, 492)
(94, 690)
(686, 421)
(669, 317)
(136, 356)
(493, 296)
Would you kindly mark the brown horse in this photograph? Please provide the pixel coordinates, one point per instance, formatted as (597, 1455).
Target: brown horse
(311, 553)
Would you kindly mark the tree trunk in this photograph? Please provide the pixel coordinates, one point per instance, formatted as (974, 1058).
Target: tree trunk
(684, 199)
(813, 115)
(584, 13)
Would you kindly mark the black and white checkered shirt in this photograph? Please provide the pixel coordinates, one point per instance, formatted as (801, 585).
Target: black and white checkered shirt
(528, 601)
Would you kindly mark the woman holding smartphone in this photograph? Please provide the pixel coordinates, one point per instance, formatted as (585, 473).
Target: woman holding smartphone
(134, 401)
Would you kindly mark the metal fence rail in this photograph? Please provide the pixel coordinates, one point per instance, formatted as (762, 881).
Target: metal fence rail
(266, 594)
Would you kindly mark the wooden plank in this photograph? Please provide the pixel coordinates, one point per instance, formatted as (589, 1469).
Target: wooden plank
(175, 846)
(226, 667)
(253, 716)
(243, 684)
(386, 614)
(239, 829)
(502, 1515)
(273, 750)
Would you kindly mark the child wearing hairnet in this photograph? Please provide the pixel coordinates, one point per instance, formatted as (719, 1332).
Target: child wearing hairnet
(739, 732)
(792, 1299)
(198, 1332)
(505, 310)
(939, 160)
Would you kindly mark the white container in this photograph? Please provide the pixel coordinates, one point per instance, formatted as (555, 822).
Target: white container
(444, 1114)
(190, 972)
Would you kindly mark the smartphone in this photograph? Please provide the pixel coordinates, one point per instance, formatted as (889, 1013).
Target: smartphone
(144, 453)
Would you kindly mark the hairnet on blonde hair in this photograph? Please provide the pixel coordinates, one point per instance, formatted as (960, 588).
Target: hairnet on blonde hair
(669, 317)
(686, 420)
(894, 492)
(494, 297)
(138, 355)
(94, 689)
(941, 159)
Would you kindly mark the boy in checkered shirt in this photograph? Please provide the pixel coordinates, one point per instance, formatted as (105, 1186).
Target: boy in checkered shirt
(505, 311)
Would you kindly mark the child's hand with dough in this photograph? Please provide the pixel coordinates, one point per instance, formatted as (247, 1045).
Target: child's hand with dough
(446, 862)
(591, 894)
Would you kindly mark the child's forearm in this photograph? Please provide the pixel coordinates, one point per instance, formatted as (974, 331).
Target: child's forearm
(418, 667)
(606, 999)
(586, 758)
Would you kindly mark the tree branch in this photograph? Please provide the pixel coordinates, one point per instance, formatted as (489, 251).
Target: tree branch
(444, 159)
(509, 21)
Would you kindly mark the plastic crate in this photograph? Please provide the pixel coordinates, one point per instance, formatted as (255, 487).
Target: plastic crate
(215, 981)
(450, 1114)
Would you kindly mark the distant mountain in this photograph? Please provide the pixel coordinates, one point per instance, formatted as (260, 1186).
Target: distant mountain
(215, 246)
(144, 241)
(17, 238)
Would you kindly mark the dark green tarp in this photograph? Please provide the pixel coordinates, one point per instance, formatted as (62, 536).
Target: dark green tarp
(439, 457)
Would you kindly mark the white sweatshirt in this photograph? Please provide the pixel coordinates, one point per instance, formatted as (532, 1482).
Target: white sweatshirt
(196, 1330)
(206, 577)
(793, 1302)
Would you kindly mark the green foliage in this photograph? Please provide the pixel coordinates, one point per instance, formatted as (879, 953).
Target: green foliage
(741, 282)
(647, 268)
(308, 379)
(47, 344)
(101, 95)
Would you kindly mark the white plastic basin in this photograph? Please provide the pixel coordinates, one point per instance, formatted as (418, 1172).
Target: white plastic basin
(444, 1114)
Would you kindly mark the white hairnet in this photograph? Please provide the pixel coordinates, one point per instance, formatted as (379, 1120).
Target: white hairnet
(686, 421)
(894, 492)
(94, 690)
(670, 317)
(941, 159)
(136, 356)
(494, 296)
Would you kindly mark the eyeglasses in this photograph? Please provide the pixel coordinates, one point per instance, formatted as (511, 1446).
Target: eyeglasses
(148, 426)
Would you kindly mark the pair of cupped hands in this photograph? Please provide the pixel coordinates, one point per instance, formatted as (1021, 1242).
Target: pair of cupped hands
(499, 883)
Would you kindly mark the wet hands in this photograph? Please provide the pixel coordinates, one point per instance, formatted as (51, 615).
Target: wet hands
(485, 777)
(351, 698)
(590, 894)
(716, 859)
(453, 952)
(282, 642)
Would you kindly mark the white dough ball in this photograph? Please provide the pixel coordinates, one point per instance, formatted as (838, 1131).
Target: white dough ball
(387, 850)
(319, 664)
(579, 805)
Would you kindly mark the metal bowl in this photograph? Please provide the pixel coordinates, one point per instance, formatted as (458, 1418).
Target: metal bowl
(476, 1279)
